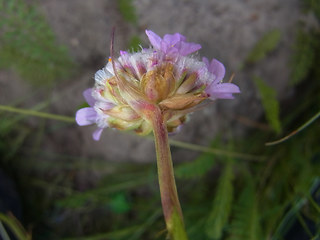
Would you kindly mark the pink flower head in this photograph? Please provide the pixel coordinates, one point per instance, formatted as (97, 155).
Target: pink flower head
(164, 77)
(172, 44)
(218, 89)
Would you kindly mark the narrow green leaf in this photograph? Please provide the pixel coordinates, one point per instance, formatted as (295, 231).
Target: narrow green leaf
(291, 215)
(1, 5)
(127, 10)
(25, 48)
(196, 168)
(11, 5)
(3, 232)
(119, 203)
(134, 43)
(222, 202)
(303, 57)
(98, 195)
(246, 222)
(137, 235)
(15, 226)
(294, 132)
(265, 45)
(270, 103)
(314, 6)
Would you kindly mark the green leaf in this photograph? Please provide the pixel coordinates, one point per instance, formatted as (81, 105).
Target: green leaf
(265, 45)
(222, 202)
(100, 195)
(15, 226)
(119, 203)
(127, 10)
(197, 168)
(246, 222)
(314, 6)
(270, 103)
(294, 212)
(303, 57)
(134, 43)
(83, 105)
(29, 47)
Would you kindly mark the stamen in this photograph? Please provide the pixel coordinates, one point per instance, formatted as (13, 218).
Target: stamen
(231, 78)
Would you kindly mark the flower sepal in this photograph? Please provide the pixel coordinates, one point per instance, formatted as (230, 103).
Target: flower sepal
(123, 112)
(183, 101)
(124, 125)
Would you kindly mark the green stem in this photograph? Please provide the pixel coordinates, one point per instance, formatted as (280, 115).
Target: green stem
(216, 151)
(3, 232)
(15, 226)
(37, 114)
(168, 191)
(176, 143)
(305, 125)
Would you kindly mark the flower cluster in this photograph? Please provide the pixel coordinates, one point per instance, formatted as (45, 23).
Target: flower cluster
(166, 76)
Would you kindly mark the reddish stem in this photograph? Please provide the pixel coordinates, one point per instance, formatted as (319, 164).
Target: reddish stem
(169, 196)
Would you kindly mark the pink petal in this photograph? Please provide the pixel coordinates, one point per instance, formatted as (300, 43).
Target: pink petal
(97, 134)
(206, 62)
(172, 39)
(88, 96)
(154, 39)
(187, 48)
(223, 90)
(217, 69)
(86, 116)
(176, 43)
(172, 43)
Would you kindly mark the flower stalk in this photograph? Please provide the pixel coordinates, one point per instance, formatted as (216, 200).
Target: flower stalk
(168, 190)
(155, 89)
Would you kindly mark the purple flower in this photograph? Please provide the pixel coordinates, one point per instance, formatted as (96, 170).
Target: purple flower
(88, 115)
(217, 89)
(164, 77)
(88, 97)
(172, 44)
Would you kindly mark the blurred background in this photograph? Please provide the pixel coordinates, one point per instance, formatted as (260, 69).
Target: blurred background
(56, 182)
